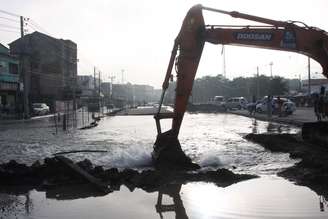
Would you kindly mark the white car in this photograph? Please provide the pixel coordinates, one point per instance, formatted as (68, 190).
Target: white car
(236, 103)
(40, 109)
(218, 101)
(288, 106)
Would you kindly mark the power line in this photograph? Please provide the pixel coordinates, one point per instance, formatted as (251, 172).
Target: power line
(9, 13)
(34, 23)
(9, 19)
(35, 26)
(30, 23)
(9, 31)
(55, 46)
(9, 26)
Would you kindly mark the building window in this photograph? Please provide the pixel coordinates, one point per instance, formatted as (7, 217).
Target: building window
(2, 67)
(13, 68)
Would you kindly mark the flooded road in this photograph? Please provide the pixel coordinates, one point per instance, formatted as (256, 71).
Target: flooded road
(211, 140)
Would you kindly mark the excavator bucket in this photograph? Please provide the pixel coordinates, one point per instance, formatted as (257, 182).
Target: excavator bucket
(167, 154)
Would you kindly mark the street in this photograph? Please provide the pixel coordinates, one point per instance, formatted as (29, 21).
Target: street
(300, 116)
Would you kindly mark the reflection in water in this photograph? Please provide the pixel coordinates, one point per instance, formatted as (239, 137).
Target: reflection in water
(254, 127)
(28, 203)
(172, 190)
(322, 203)
(271, 127)
(13, 204)
(278, 128)
(267, 197)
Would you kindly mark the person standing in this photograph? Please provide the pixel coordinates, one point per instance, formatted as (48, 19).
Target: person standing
(316, 106)
(321, 102)
(269, 106)
(279, 106)
(252, 106)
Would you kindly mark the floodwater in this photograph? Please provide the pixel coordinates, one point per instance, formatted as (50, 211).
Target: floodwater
(211, 140)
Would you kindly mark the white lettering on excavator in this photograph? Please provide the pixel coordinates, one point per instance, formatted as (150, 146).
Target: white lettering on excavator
(254, 36)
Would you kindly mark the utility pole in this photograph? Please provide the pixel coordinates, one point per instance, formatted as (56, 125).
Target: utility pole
(94, 78)
(24, 71)
(300, 82)
(309, 77)
(122, 72)
(112, 82)
(74, 81)
(271, 64)
(94, 89)
(224, 62)
(257, 83)
(100, 102)
(99, 83)
(111, 88)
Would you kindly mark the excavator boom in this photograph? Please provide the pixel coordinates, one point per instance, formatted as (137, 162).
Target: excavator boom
(276, 35)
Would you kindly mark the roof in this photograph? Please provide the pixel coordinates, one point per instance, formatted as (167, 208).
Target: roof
(39, 34)
(315, 81)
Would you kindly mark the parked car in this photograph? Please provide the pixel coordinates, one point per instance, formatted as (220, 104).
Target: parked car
(218, 101)
(40, 109)
(251, 107)
(236, 103)
(287, 107)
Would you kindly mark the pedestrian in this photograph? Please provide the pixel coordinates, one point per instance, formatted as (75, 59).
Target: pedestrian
(321, 103)
(252, 106)
(316, 106)
(269, 106)
(279, 106)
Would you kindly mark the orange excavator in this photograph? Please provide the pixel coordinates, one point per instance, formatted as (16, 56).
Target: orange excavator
(292, 36)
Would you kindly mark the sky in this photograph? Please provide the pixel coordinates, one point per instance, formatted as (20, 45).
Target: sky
(132, 40)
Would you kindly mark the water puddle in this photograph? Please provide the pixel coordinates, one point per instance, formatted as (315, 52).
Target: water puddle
(265, 197)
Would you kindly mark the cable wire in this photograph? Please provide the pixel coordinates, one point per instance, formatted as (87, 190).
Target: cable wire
(9, 26)
(9, 31)
(9, 19)
(35, 26)
(9, 13)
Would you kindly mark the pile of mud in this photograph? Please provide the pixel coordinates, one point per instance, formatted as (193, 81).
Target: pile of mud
(311, 171)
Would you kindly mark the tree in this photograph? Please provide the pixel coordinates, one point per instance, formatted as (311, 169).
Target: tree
(208, 87)
(278, 86)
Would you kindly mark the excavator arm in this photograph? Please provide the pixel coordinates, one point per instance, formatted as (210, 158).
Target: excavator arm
(276, 35)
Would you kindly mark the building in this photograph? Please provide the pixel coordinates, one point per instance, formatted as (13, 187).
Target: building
(49, 67)
(133, 94)
(143, 93)
(91, 93)
(88, 85)
(315, 85)
(107, 90)
(9, 81)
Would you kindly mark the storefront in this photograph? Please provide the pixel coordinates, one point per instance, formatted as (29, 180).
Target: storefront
(9, 81)
(8, 96)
